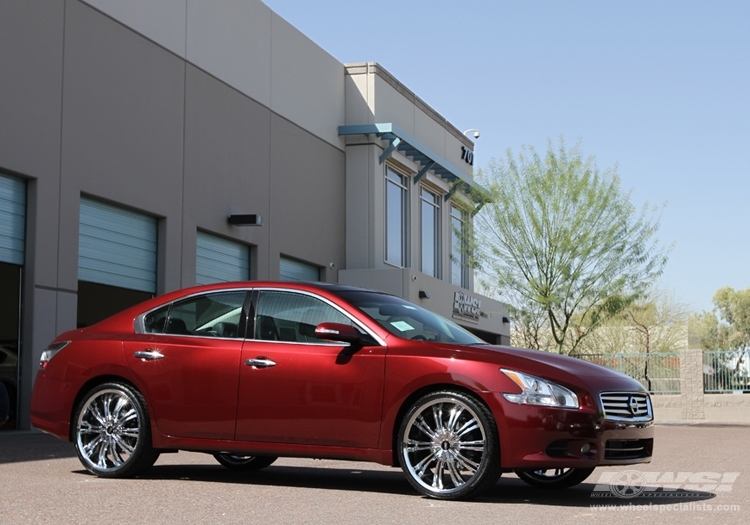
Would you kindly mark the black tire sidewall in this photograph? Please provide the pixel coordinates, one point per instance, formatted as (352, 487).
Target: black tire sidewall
(489, 469)
(248, 465)
(143, 455)
(569, 479)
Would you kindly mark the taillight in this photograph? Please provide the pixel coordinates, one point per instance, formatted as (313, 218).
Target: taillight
(50, 352)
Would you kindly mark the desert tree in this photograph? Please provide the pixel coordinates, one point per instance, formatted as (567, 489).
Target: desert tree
(561, 238)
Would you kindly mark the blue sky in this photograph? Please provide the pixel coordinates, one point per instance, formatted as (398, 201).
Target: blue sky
(660, 89)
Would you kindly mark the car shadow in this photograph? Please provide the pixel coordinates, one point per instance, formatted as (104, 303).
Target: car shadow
(18, 446)
(508, 490)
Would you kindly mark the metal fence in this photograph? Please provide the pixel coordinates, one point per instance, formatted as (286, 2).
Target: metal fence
(726, 371)
(659, 373)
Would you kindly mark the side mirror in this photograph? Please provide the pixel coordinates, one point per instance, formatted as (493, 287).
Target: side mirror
(338, 332)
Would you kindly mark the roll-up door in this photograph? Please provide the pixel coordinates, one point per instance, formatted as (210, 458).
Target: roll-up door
(12, 219)
(292, 270)
(117, 247)
(219, 260)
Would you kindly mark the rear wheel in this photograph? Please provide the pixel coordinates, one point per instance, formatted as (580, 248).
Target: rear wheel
(560, 478)
(113, 432)
(448, 446)
(243, 462)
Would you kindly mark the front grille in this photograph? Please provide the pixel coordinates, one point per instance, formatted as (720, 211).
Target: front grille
(628, 448)
(627, 406)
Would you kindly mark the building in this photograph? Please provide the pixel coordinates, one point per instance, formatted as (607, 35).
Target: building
(131, 131)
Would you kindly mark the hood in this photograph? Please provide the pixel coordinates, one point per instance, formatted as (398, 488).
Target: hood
(555, 367)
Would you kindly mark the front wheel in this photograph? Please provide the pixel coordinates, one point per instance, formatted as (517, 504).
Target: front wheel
(244, 463)
(559, 478)
(113, 433)
(448, 446)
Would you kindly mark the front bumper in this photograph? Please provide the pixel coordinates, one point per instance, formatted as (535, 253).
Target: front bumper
(534, 437)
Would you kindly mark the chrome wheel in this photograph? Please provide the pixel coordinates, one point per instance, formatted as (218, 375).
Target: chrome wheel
(244, 462)
(449, 446)
(112, 432)
(558, 478)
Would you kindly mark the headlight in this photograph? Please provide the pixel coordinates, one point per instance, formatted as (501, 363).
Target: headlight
(538, 391)
(50, 352)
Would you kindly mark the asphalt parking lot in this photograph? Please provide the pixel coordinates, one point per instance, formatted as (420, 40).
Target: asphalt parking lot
(700, 474)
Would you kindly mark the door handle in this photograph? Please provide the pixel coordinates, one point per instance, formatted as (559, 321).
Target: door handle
(149, 355)
(260, 362)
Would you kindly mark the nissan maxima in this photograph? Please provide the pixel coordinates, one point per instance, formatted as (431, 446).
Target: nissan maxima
(252, 371)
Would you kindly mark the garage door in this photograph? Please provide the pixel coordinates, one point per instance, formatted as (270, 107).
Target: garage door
(293, 270)
(117, 247)
(12, 219)
(220, 260)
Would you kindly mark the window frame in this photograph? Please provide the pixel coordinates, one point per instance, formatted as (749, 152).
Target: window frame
(458, 239)
(400, 259)
(433, 205)
(141, 328)
(253, 314)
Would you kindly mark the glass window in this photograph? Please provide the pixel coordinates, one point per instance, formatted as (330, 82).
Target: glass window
(408, 320)
(396, 204)
(289, 316)
(430, 218)
(459, 256)
(212, 315)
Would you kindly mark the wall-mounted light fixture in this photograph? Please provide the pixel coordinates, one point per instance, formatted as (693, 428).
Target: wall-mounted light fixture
(423, 294)
(245, 220)
(506, 320)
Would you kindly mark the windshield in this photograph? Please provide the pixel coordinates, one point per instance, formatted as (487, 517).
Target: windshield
(408, 320)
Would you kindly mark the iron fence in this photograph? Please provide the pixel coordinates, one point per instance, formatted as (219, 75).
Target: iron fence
(726, 371)
(659, 373)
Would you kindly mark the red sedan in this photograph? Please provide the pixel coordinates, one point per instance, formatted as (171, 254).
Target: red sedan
(252, 371)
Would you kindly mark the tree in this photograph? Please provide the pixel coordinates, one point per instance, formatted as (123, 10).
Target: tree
(561, 237)
(645, 328)
(658, 324)
(726, 328)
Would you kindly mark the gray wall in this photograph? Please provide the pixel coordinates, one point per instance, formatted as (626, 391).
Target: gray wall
(89, 106)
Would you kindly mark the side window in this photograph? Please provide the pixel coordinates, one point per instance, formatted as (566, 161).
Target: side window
(289, 316)
(209, 315)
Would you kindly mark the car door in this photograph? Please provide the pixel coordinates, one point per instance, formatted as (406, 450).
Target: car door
(295, 388)
(187, 361)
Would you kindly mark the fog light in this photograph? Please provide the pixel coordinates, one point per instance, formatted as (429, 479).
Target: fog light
(589, 449)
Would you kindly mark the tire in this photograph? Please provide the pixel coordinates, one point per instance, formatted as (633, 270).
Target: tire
(244, 463)
(112, 432)
(561, 478)
(448, 446)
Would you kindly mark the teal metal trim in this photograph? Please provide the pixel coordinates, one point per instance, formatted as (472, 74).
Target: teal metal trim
(427, 167)
(390, 149)
(453, 190)
(409, 146)
(478, 207)
(412, 148)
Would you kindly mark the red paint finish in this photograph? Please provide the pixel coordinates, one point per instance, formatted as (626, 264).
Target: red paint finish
(192, 390)
(317, 394)
(317, 397)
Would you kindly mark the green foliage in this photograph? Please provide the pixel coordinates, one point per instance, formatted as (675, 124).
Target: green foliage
(725, 331)
(728, 326)
(655, 326)
(562, 238)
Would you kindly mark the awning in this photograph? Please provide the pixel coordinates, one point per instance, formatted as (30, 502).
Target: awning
(407, 145)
